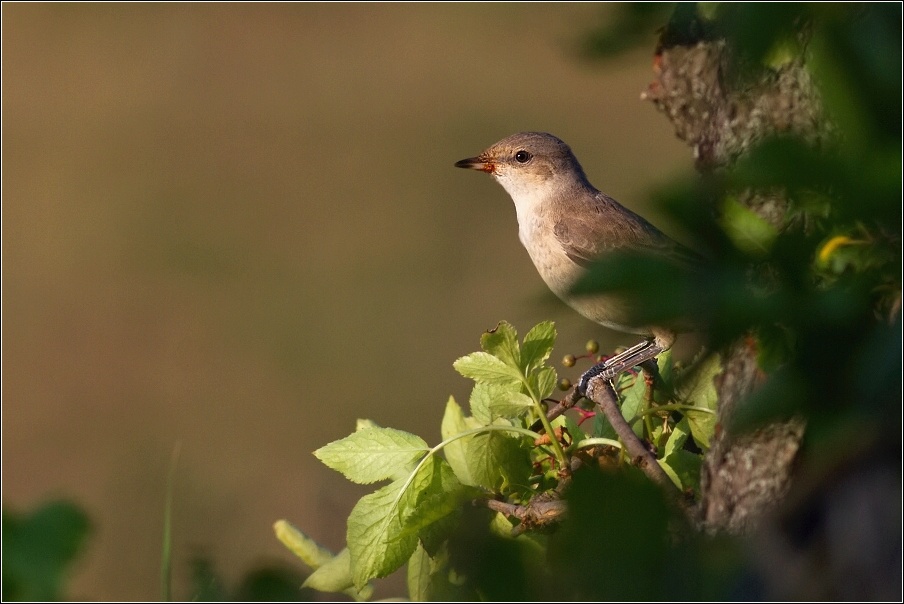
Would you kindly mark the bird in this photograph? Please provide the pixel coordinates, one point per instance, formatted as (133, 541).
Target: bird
(565, 223)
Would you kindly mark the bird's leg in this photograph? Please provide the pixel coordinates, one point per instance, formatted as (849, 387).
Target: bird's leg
(631, 357)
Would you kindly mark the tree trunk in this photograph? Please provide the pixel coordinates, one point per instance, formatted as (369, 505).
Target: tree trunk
(836, 534)
(720, 118)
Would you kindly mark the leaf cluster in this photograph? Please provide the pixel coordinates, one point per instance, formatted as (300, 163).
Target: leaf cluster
(492, 458)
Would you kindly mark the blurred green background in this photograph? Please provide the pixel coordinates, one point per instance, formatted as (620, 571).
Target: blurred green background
(238, 228)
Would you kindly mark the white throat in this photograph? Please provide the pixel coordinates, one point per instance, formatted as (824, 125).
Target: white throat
(529, 195)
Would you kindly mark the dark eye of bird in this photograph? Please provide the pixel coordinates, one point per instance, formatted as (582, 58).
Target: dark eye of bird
(522, 156)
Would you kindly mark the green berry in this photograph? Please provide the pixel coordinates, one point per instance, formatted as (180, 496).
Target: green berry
(564, 384)
(568, 360)
(592, 346)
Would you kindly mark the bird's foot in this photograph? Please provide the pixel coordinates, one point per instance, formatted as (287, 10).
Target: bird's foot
(599, 370)
(623, 361)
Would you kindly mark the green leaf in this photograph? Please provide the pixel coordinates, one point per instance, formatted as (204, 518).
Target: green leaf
(433, 536)
(456, 452)
(510, 405)
(311, 553)
(497, 461)
(365, 424)
(749, 232)
(418, 577)
(486, 395)
(602, 428)
(699, 390)
(444, 498)
(484, 367)
(502, 343)
(676, 439)
(633, 400)
(331, 573)
(537, 345)
(664, 364)
(373, 454)
(490, 460)
(543, 382)
(673, 476)
(685, 466)
(679, 464)
(336, 577)
(39, 548)
(435, 580)
(574, 430)
(375, 535)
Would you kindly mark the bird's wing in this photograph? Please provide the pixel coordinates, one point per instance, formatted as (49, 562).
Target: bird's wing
(590, 232)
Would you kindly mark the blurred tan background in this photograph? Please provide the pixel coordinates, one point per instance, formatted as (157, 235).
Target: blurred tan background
(238, 228)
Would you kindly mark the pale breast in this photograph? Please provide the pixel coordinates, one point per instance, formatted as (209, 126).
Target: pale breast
(554, 266)
(560, 273)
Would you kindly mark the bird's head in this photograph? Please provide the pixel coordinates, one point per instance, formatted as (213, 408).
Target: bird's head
(529, 165)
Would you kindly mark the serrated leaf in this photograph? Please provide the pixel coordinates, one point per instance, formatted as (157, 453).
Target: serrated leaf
(699, 390)
(373, 454)
(497, 462)
(456, 452)
(510, 405)
(376, 538)
(484, 367)
(434, 509)
(537, 345)
(543, 381)
(502, 343)
(484, 395)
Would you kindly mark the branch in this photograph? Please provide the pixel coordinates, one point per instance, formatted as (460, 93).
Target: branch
(601, 393)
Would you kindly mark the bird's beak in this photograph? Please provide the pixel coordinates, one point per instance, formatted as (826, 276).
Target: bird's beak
(481, 162)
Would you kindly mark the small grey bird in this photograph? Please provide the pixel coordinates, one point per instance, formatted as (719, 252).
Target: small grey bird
(566, 223)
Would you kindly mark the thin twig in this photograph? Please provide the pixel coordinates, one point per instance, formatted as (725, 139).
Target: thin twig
(541, 511)
(601, 393)
(571, 399)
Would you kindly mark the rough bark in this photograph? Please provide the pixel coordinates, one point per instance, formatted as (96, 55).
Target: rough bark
(836, 534)
(721, 116)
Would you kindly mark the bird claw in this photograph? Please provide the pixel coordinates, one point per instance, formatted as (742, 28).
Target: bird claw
(599, 370)
(611, 367)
